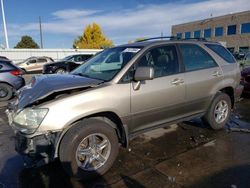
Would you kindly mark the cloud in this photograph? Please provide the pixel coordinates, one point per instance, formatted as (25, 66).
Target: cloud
(128, 24)
(73, 13)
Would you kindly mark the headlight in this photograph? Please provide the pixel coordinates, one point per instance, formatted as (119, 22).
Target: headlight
(29, 119)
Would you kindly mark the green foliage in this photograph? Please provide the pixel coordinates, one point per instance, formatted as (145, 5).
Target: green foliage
(92, 38)
(26, 42)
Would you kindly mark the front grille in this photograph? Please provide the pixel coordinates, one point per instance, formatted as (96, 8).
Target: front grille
(247, 78)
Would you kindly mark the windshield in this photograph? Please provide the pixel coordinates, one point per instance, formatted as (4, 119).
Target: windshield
(105, 65)
(67, 58)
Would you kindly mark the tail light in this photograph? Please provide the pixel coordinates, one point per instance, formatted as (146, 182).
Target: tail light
(16, 72)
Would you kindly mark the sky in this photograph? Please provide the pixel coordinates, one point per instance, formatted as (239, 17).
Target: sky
(121, 20)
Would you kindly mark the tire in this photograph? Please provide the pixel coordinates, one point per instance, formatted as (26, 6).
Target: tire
(6, 92)
(60, 71)
(79, 137)
(221, 103)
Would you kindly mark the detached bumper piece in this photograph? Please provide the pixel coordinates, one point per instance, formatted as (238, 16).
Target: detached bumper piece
(37, 151)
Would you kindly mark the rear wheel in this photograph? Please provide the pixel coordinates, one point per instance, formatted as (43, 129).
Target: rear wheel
(6, 92)
(60, 71)
(219, 111)
(89, 149)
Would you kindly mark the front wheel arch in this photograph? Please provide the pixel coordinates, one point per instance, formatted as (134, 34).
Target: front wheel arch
(72, 140)
(111, 118)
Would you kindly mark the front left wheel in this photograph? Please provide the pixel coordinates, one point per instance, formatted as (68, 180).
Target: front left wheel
(89, 148)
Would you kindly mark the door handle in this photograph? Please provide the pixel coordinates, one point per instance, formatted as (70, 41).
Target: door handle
(216, 74)
(177, 81)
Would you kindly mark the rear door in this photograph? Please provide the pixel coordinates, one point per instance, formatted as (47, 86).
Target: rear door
(202, 77)
(39, 64)
(162, 99)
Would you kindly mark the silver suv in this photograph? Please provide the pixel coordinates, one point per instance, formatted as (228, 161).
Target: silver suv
(82, 117)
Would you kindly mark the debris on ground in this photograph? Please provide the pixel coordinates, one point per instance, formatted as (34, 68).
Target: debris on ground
(237, 125)
(172, 179)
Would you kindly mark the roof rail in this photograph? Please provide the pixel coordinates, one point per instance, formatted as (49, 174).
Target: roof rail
(155, 38)
(194, 38)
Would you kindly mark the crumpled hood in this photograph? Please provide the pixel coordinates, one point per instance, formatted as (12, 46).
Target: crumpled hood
(45, 85)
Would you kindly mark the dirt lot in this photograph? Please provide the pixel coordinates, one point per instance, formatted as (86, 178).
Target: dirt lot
(184, 155)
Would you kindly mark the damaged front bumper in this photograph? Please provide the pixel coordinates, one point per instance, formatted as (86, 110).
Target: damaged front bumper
(37, 150)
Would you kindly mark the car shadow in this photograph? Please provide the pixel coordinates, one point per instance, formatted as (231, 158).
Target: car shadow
(238, 176)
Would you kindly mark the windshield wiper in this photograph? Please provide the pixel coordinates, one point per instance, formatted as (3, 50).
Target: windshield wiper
(81, 74)
(87, 76)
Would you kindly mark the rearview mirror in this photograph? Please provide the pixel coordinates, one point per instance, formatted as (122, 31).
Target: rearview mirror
(144, 73)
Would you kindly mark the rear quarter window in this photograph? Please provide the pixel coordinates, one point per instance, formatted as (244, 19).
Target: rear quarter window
(222, 52)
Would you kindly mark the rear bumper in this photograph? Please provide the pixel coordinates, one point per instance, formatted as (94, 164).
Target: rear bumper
(18, 83)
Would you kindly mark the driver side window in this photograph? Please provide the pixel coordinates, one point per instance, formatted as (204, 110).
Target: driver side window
(163, 59)
(32, 61)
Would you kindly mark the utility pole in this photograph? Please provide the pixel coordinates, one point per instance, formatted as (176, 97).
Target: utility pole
(4, 26)
(41, 34)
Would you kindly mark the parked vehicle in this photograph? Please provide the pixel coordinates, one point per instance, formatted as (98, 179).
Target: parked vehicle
(245, 75)
(82, 117)
(245, 81)
(67, 64)
(34, 64)
(3, 57)
(10, 79)
(246, 61)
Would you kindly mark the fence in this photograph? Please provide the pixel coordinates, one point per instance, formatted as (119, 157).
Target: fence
(17, 55)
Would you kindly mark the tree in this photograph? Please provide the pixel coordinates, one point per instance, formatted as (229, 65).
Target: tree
(92, 38)
(26, 42)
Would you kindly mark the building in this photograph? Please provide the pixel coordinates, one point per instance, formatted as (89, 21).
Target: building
(232, 30)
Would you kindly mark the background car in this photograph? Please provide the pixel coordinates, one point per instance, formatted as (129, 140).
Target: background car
(34, 64)
(3, 57)
(10, 79)
(246, 61)
(245, 75)
(67, 64)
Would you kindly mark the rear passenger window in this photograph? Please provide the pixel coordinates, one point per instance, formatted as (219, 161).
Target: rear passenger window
(41, 60)
(163, 59)
(222, 52)
(195, 58)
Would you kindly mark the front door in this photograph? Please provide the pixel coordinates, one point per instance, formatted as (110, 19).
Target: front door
(159, 100)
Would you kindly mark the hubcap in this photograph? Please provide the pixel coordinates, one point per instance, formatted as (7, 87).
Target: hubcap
(60, 71)
(93, 152)
(3, 92)
(221, 111)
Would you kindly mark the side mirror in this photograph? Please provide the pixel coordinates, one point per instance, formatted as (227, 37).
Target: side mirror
(144, 73)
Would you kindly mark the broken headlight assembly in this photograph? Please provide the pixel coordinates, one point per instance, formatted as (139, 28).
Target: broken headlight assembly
(29, 119)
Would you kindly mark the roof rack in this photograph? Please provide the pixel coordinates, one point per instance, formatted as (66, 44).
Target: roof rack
(173, 38)
(194, 38)
(155, 38)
